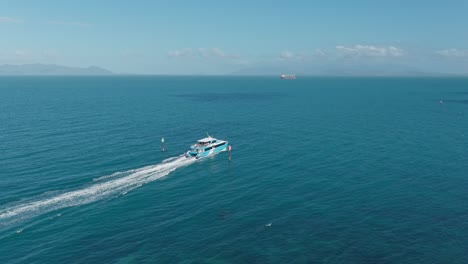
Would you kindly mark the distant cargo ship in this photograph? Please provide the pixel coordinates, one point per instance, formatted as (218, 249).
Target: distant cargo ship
(288, 76)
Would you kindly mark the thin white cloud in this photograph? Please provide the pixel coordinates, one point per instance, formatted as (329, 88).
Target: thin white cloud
(50, 54)
(290, 55)
(21, 56)
(215, 53)
(22, 53)
(369, 51)
(128, 53)
(454, 53)
(202, 53)
(241, 62)
(69, 23)
(287, 55)
(4, 19)
(180, 53)
(320, 52)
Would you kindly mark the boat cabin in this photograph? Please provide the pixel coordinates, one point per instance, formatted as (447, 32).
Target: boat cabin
(206, 141)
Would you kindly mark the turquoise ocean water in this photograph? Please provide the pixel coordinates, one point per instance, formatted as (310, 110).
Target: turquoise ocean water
(323, 170)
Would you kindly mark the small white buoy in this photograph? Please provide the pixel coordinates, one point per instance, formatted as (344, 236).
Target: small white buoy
(162, 142)
(269, 224)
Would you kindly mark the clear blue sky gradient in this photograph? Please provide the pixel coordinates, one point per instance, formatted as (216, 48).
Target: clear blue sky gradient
(217, 37)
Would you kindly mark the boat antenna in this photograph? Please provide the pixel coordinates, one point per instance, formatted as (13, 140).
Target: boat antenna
(208, 134)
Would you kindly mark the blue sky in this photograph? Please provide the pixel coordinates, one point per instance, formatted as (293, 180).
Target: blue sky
(221, 37)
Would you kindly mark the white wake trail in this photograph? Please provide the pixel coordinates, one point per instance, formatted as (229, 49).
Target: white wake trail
(97, 191)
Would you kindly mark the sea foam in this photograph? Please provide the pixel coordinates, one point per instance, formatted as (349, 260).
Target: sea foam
(98, 190)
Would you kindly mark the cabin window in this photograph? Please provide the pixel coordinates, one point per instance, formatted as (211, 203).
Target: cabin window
(220, 144)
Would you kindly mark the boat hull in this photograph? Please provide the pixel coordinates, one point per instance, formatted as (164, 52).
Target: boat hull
(212, 152)
(209, 153)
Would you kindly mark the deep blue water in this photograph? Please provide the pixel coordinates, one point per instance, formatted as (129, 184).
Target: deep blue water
(323, 170)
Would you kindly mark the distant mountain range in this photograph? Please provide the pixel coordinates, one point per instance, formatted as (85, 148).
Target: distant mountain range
(50, 69)
(318, 69)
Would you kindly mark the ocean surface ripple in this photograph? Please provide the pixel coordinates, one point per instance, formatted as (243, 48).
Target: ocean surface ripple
(323, 170)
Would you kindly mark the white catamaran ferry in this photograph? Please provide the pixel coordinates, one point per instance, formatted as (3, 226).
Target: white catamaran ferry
(206, 147)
